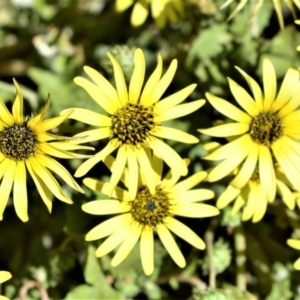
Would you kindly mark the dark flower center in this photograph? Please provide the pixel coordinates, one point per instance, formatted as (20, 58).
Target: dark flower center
(132, 125)
(17, 142)
(266, 128)
(148, 209)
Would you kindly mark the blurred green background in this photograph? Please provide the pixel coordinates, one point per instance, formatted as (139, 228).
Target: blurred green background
(44, 45)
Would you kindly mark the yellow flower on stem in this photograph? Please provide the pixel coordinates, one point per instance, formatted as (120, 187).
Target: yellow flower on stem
(162, 11)
(265, 132)
(148, 213)
(296, 245)
(26, 144)
(258, 5)
(4, 276)
(135, 121)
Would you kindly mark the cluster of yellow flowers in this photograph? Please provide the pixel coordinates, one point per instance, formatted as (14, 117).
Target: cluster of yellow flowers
(262, 154)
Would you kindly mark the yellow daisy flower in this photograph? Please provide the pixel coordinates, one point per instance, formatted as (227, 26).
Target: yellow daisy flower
(4, 276)
(134, 124)
(148, 213)
(251, 197)
(268, 131)
(26, 144)
(258, 5)
(296, 245)
(162, 11)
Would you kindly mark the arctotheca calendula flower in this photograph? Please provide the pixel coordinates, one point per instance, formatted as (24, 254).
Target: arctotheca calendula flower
(258, 5)
(4, 276)
(26, 144)
(267, 131)
(296, 245)
(135, 119)
(162, 11)
(149, 213)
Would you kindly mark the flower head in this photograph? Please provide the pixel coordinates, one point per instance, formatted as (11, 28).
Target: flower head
(162, 11)
(134, 125)
(4, 276)
(257, 7)
(26, 144)
(296, 245)
(267, 131)
(251, 197)
(148, 213)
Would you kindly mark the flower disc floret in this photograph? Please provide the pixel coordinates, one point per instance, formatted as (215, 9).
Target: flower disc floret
(17, 142)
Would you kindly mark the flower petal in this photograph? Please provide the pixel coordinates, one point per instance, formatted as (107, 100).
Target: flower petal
(108, 227)
(294, 243)
(170, 244)
(174, 134)
(168, 154)
(147, 250)
(195, 210)
(17, 109)
(185, 233)
(119, 80)
(286, 194)
(4, 276)
(270, 84)
(194, 195)
(127, 245)
(20, 192)
(139, 13)
(226, 130)
(137, 78)
(93, 135)
(189, 183)
(227, 196)
(178, 111)
(133, 173)
(227, 109)
(260, 207)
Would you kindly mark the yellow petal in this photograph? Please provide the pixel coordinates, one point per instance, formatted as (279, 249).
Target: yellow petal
(174, 134)
(267, 173)
(260, 207)
(297, 264)
(108, 95)
(147, 250)
(139, 13)
(151, 83)
(118, 168)
(17, 109)
(93, 135)
(6, 186)
(178, 111)
(225, 130)
(195, 210)
(97, 94)
(132, 173)
(119, 80)
(127, 245)
(286, 195)
(185, 233)
(108, 227)
(238, 204)
(43, 189)
(294, 243)
(163, 83)
(113, 241)
(38, 118)
(174, 99)
(278, 10)
(194, 195)
(189, 183)
(4, 276)
(288, 88)
(137, 78)
(91, 162)
(169, 156)
(20, 191)
(6, 116)
(227, 196)
(270, 84)
(243, 98)
(247, 169)
(122, 5)
(290, 106)
(170, 244)
(228, 110)
(250, 205)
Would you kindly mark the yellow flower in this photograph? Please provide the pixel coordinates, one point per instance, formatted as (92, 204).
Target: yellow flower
(257, 7)
(134, 125)
(268, 131)
(162, 11)
(252, 198)
(25, 144)
(138, 219)
(296, 245)
(4, 276)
